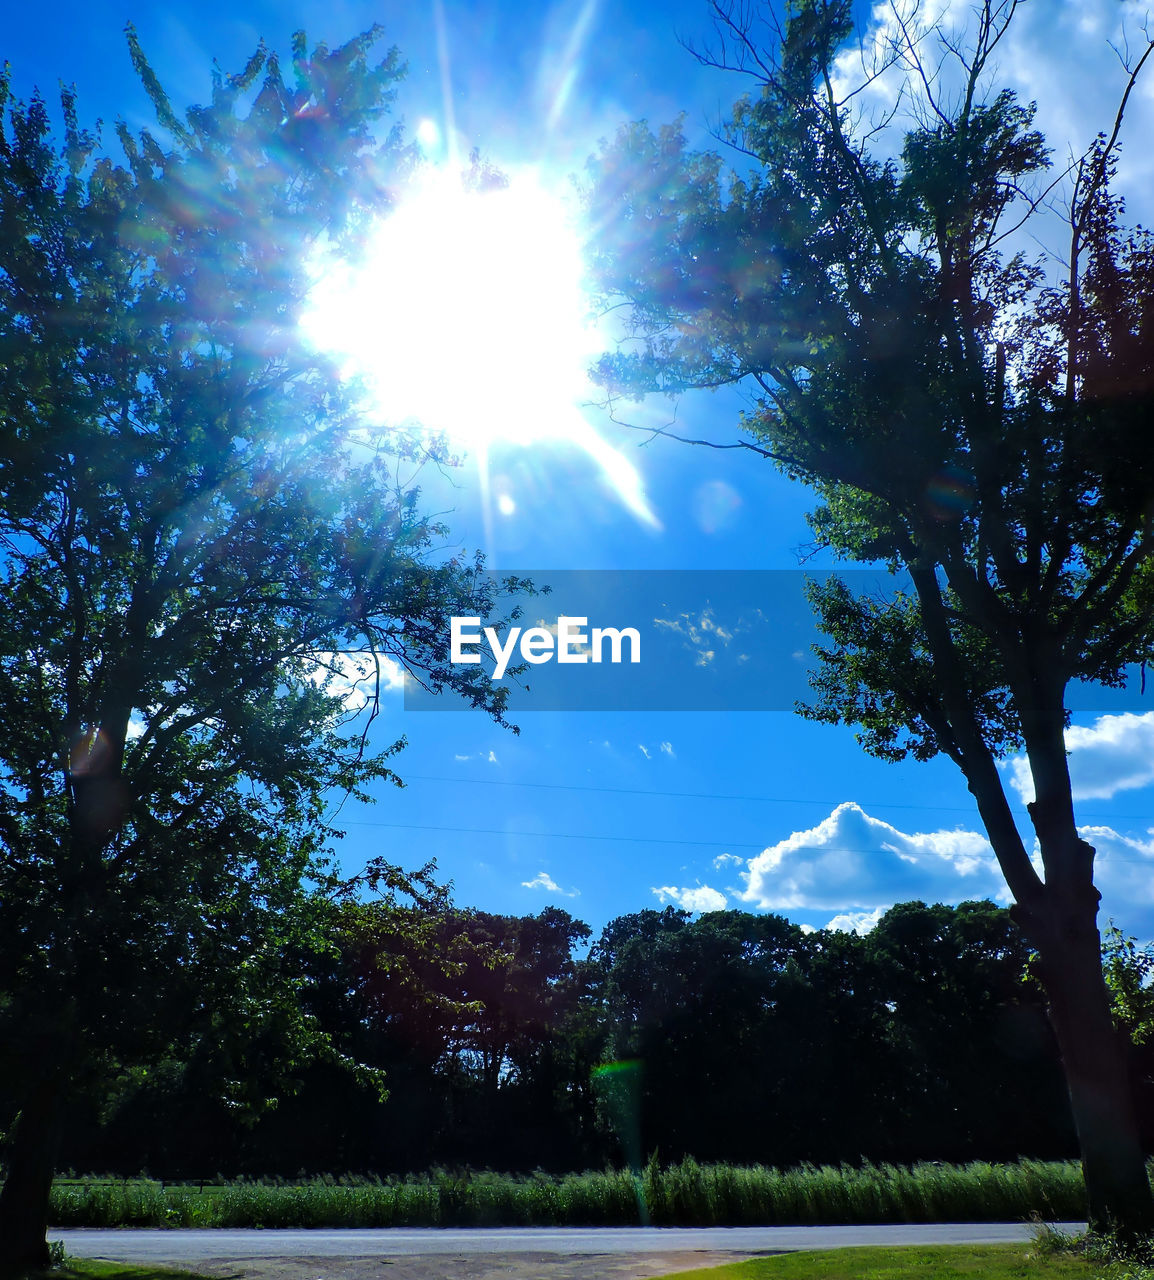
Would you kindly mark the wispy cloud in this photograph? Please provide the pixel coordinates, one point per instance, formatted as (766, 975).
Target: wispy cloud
(543, 880)
(486, 757)
(701, 634)
(727, 860)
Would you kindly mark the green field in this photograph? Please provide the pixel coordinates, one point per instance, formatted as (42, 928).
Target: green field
(684, 1194)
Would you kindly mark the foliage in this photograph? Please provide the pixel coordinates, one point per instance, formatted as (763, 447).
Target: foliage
(502, 1046)
(906, 369)
(685, 1194)
(202, 545)
(1115, 1258)
(1130, 976)
(978, 419)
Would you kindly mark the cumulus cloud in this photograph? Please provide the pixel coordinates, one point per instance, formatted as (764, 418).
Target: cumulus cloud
(853, 861)
(695, 898)
(543, 880)
(1114, 754)
(857, 866)
(727, 860)
(1124, 872)
(856, 921)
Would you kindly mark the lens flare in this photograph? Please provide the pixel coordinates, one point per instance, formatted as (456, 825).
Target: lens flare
(466, 313)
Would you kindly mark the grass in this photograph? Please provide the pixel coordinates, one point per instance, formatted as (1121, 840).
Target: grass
(1115, 1258)
(88, 1269)
(934, 1262)
(687, 1194)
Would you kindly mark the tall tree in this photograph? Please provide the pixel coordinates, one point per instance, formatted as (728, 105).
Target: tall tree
(196, 528)
(960, 411)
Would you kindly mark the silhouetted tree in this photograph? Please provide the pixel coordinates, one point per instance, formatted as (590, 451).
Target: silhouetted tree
(958, 413)
(195, 525)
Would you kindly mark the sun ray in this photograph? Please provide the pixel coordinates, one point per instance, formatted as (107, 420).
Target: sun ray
(466, 313)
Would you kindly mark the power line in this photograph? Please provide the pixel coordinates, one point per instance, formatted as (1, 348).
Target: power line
(698, 844)
(562, 835)
(721, 795)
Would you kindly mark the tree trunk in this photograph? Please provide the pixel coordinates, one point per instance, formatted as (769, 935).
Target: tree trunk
(31, 1163)
(1095, 1063)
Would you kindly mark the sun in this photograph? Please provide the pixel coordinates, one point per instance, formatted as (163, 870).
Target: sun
(467, 314)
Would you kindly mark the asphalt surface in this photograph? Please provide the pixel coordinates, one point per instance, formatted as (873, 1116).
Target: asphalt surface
(159, 1246)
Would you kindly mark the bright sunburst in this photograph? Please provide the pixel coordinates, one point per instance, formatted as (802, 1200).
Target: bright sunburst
(467, 315)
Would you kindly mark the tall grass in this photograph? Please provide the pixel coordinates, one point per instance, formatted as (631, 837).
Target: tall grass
(685, 1194)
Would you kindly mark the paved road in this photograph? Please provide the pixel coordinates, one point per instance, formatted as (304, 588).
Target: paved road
(188, 1246)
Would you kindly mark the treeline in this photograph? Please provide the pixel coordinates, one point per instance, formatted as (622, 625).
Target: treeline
(511, 1043)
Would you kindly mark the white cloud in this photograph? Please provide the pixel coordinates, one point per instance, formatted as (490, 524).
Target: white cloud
(727, 860)
(352, 677)
(645, 751)
(667, 748)
(461, 759)
(1115, 754)
(1124, 872)
(573, 645)
(697, 898)
(543, 880)
(857, 867)
(491, 758)
(1060, 55)
(700, 634)
(856, 921)
(851, 860)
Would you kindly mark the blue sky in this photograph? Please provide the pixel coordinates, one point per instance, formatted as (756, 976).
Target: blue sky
(609, 812)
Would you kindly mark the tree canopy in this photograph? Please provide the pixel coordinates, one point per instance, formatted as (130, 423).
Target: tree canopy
(730, 1037)
(962, 410)
(203, 545)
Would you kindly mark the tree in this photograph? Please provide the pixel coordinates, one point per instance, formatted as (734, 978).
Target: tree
(962, 1022)
(196, 528)
(975, 418)
(486, 1027)
(707, 1008)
